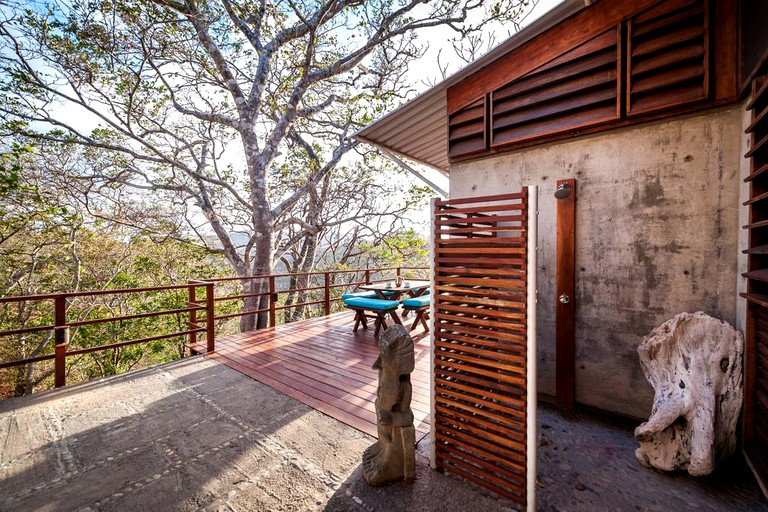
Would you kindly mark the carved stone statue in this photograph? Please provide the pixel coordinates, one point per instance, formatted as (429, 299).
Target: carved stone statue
(393, 456)
(693, 362)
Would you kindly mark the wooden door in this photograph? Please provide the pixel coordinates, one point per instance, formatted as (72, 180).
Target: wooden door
(482, 369)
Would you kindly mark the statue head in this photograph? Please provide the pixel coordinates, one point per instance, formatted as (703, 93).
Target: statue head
(396, 350)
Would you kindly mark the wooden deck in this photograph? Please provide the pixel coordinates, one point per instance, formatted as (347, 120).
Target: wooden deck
(325, 365)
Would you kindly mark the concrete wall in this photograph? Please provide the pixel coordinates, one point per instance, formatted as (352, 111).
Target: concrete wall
(657, 229)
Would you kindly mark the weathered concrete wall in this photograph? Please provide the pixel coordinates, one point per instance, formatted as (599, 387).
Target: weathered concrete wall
(656, 234)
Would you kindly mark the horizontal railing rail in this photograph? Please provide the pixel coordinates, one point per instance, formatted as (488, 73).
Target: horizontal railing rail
(321, 289)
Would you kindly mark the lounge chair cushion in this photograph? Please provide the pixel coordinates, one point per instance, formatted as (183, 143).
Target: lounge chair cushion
(417, 302)
(366, 295)
(372, 304)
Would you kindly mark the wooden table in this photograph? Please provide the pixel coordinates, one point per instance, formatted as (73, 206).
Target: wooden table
(414, 289)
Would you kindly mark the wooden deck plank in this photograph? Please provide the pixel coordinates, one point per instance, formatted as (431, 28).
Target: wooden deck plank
(333, 382)
(327, 368)
(319, 386)
(313, 350)
(352, 421)
(323, 364)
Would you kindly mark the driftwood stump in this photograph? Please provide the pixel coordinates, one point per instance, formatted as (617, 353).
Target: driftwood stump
(393, 456)
(694, 363)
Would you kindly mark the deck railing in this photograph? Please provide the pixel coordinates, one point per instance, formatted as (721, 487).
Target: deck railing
(201, 296)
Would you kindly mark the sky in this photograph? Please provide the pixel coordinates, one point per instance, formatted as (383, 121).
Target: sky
(426, 70)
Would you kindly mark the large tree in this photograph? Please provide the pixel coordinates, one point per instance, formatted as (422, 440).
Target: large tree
(195, 102)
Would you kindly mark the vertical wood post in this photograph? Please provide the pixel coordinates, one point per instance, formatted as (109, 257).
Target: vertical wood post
(61, 338)
(433, 240)
(565, 385)
(210, 314)
(531, 361)
(272, 300)
(327, 291)
(367, 276)
(191, 302)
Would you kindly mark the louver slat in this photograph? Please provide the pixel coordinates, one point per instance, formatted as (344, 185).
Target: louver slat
(756, 347)
(479, 352)
(466, 130)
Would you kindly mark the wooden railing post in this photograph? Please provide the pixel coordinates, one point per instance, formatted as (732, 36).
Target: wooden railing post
(191, 303)
(367, 276)
(397, 271)
(61, 338)
(272, 300)
(210, 318)
(327, 291)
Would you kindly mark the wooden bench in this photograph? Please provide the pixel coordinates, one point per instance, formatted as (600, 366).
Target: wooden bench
(363, 306)
(420, 306)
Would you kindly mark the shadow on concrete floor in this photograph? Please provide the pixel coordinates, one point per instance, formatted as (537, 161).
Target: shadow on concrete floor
(196, 435)
(189, 435)
(584, 464)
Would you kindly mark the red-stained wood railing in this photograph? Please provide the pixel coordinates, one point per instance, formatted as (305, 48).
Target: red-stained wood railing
(267, 286)
(62, 325)
(272, 293)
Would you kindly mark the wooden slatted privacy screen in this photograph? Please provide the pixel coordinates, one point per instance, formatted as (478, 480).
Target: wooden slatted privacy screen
(667, 56)
(480, 368)
(756, 351)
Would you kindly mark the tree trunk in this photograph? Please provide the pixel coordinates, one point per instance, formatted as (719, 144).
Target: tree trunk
(261, 258)
(305, 264)
(256, 303)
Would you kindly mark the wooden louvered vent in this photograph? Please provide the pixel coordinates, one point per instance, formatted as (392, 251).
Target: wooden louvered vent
(466, 130)
(616, 64)
(579, 88)
(667, 56)
(756, 360)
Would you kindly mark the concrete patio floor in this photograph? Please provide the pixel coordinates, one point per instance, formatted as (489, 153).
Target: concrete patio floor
(196, 435)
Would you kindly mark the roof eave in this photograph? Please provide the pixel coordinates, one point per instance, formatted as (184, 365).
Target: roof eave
(401, 115)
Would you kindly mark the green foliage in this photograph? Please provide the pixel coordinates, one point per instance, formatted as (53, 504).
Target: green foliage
(21, 201)
(105, 261)
(50, 244)
(406, 247)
